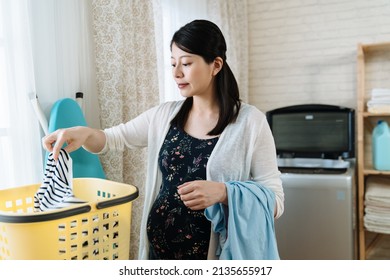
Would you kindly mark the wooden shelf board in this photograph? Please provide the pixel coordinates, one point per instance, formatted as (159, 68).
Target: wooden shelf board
(367, 114)
(375, 47)
(365, 119)
(375, 172)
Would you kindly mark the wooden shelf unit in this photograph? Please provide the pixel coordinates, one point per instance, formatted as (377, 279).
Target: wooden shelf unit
(365, 123)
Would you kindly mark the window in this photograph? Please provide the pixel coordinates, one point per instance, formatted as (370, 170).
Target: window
(175, 14)
(20, 148)
(4, 112)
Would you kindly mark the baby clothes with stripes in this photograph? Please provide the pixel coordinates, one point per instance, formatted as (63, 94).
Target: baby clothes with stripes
(56, 191)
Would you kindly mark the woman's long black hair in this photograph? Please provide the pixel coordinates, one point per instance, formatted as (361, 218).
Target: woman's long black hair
(204, 38)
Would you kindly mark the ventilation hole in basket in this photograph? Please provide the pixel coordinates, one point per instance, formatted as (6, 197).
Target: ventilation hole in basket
(85, 256)
(115, 256)
(61, 238)
(115, 214)
(8, 204)
(84, 233)
(73, 247)
(84, 221)
(115, 245)
(61, 226)
(95, 230)
(106, 238)
(106, 216)
(73, 224)
(73, 235)
(19, 202)
(62, 251)
(106, 226)
(95, 252)
(105, 259)
(73, 258)
(30, 210)
(20, 211)
(106, 249)
(115, 235)
(95, 219)
(85, 244)
(115, 224)
(29, 200)
(95, 241)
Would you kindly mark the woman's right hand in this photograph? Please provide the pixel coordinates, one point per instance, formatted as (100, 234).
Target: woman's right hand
(74, 138)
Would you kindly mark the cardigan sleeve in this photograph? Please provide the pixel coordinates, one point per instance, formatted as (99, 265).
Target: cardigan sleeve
(133, 133)
(246, 151)
(264, 168)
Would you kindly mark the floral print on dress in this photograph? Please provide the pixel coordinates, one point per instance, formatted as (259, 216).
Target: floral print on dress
(175, 231)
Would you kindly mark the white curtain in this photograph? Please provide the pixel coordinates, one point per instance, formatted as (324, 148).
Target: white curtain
(64, 53)
(46, 48)
(175, 14)
(230, 16)
(20, 145)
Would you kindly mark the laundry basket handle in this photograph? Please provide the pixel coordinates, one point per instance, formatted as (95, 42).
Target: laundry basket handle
(43, 216)
(117, 201)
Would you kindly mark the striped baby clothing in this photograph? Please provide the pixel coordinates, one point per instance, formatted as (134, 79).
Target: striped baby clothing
(56, 191)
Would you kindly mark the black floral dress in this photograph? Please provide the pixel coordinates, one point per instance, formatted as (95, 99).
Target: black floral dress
(175, 231)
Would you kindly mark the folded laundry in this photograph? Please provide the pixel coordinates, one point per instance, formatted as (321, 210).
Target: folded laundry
(380, 101)
(378, 189)
(377, 205)
(56, 191)
(374, 102)
(370, 209)
(377, 222)
(380, 92)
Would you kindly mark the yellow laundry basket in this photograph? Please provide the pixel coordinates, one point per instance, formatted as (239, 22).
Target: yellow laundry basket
(97, 230)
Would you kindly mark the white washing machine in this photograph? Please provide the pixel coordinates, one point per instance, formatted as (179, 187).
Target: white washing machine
(315, 146)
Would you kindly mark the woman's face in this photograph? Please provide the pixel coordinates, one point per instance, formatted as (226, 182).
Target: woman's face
(193, 76)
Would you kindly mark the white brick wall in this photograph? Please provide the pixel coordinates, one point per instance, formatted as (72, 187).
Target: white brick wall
(304, 51)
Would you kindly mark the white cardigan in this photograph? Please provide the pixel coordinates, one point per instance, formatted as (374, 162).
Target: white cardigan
(244, 151)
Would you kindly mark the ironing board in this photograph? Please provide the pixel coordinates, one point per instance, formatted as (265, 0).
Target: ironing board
(67, 113)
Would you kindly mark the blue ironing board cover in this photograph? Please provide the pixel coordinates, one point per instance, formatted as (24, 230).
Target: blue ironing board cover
(67, 113)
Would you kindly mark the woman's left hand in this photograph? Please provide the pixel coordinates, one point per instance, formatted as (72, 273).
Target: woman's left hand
(198, 195)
